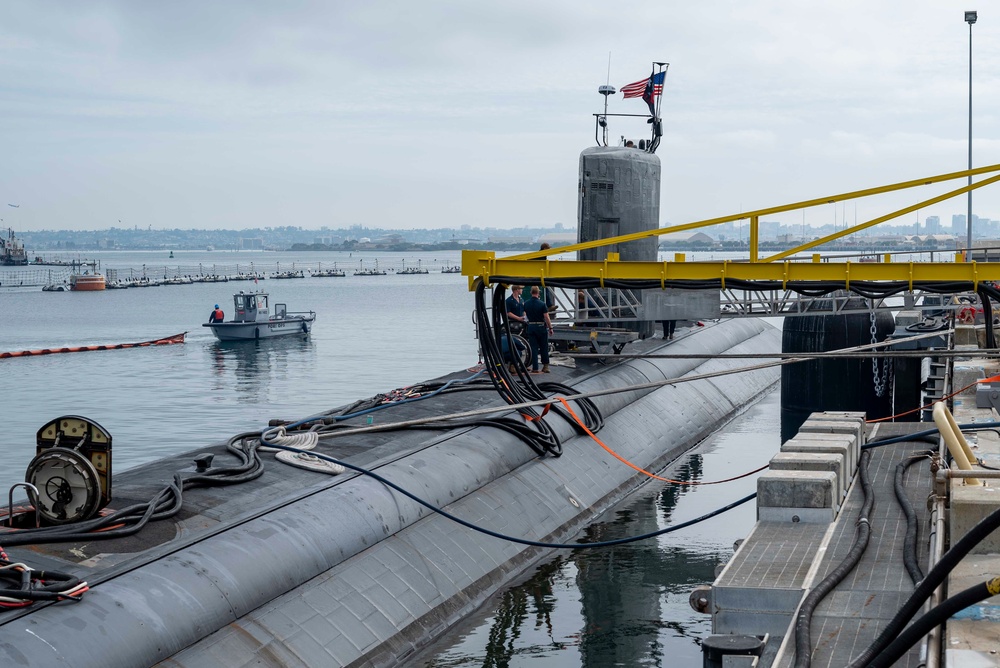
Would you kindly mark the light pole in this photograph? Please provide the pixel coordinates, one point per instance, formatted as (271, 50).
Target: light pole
(970, 18)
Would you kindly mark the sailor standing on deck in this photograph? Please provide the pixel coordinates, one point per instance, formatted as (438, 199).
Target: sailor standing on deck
(539, 328)
(515, 310)
(217, 315)
(518, 322)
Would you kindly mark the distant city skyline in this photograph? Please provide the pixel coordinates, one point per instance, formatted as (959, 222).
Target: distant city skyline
(361, 237)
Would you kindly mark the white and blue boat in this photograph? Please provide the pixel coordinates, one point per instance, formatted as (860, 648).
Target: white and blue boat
(253, 319)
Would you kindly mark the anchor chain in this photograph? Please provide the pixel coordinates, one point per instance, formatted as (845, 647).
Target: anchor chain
(883, 379)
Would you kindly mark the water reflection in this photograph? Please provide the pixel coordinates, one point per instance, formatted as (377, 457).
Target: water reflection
(624, 590)
(627, 605)
(251, 368)
(533, 603)
(621, 606)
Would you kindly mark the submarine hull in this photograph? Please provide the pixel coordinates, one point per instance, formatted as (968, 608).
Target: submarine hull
(308, 570)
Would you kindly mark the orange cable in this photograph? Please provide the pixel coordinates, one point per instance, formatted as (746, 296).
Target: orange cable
(545, 410)
(914, 410)
(642, 470)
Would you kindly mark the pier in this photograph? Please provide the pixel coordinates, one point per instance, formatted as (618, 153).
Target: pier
(55, 273)
(792, 585)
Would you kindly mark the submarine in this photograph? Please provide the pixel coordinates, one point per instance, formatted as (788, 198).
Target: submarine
(333, 540)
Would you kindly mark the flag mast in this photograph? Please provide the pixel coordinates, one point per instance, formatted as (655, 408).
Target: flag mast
(656, 129)
(646, 88)
(663, 68)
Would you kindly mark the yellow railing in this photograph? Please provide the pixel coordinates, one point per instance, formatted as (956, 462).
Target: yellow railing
(537, 266)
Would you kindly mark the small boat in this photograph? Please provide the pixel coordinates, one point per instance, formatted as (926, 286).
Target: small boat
(451, 270)
(254, 320)
(86, 282)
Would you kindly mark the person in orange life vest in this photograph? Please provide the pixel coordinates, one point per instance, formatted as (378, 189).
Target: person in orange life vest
(217, 315)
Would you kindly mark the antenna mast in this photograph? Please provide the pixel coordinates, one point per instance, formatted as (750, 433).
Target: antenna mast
(602, 120)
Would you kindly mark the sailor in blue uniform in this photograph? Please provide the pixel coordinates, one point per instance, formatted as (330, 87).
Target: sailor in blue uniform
(515, 310)
(539, 328)
(517, 321)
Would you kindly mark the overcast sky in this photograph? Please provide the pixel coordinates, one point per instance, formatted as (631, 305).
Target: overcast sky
(449, 112)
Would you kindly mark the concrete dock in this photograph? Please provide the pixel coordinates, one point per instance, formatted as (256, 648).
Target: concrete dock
(805, 529)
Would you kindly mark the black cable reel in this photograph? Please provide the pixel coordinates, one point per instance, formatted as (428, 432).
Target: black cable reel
(71, 470)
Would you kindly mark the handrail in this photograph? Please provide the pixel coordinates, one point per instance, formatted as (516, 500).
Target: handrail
(953, 438)
(756, 214)
(33, 498)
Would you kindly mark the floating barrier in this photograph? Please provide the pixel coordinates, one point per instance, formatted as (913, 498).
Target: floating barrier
(176, 338)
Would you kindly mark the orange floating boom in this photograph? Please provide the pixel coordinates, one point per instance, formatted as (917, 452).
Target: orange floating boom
(176, 338)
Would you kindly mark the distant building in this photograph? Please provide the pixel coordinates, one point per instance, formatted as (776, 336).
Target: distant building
(934, 240)
(958, 223)
(768, 229)
(513, 240)
(933, 224)
(558, 238)
(250, 243)
(683, 238)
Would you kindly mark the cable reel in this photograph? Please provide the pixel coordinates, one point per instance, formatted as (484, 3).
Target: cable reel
(71, 469)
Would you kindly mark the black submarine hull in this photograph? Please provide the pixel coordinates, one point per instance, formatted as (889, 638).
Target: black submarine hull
(301, 569)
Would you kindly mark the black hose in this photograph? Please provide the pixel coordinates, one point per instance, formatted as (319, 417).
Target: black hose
(591, 414)
(910, 560)
(31, 586)
(522, 430)
(166, 503)
(515, 539)
(803, 622)
(523, 389)
(987, 291)
(931, 581)
(928, 436)
(932, 618)
(867, 289)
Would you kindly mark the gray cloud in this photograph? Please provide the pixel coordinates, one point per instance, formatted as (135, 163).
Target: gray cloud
(190, 113)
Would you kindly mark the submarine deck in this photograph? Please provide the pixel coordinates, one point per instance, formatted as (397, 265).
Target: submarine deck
(203, 574)
(207, 510)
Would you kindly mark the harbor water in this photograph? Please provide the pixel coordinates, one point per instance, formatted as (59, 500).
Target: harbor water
(627, 605)
(618, 606)
(372, 334)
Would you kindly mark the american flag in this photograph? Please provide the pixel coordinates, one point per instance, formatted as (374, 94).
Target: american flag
(639, 87)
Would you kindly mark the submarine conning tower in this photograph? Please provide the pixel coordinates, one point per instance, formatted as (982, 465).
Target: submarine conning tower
(619, 194)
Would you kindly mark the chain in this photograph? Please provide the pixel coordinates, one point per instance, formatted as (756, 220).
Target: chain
(883, 379)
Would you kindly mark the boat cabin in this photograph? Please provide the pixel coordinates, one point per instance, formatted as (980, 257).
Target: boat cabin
(253, 307)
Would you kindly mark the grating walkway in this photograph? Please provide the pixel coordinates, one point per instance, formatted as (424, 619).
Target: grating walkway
(853, 614)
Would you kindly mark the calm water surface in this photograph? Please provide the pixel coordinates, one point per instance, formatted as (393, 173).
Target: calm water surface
(372, 334)
(627, 605)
